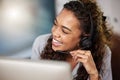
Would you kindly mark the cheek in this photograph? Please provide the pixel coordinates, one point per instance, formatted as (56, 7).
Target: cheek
(71, 42)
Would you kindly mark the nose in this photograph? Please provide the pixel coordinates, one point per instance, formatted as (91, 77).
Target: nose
(56, 32)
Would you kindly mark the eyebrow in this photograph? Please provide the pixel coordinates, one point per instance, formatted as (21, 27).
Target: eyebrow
(63, 26)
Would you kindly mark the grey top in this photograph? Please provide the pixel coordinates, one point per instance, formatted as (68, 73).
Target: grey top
(40, 43)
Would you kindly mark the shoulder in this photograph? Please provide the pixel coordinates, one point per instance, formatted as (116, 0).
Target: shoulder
(108, 52)
(106, 67)
(107, 56)
(42, 38)
(39, 45)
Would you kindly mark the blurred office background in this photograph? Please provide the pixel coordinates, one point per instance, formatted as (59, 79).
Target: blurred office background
(21, 21)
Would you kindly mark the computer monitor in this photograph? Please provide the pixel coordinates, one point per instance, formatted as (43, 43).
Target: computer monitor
(19, 69)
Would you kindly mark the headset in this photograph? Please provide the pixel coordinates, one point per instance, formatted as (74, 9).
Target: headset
(86, 41)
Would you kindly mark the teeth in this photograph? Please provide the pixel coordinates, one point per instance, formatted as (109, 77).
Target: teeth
(55, 41)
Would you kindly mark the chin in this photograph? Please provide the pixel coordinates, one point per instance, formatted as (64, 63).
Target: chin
(57, 48)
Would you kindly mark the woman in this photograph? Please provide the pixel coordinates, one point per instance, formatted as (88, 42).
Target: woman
(81, 32)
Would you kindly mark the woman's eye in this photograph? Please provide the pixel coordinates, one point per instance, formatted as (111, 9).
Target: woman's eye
(64, 31)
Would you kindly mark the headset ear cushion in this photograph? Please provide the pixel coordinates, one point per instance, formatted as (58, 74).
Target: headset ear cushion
(85, 43)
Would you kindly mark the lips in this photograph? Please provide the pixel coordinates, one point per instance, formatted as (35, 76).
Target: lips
(56, 43)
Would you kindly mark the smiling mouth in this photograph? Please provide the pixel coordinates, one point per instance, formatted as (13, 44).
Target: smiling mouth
(56, 43)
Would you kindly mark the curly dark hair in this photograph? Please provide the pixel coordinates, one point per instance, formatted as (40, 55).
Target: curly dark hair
(83, 10)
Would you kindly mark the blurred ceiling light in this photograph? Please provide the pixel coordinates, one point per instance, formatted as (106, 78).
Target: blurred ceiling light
(17, 18)
(13, 13)
(16, 13)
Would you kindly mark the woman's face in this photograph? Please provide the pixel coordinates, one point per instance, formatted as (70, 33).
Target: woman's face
(66, 31)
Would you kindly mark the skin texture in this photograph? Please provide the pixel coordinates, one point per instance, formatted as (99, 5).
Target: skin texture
(66, 33)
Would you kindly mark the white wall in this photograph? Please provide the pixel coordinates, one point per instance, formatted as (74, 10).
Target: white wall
(116, 15)
(59, 5)
(111, 9)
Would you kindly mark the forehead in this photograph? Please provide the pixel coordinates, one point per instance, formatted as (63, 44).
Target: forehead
(67, 18)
